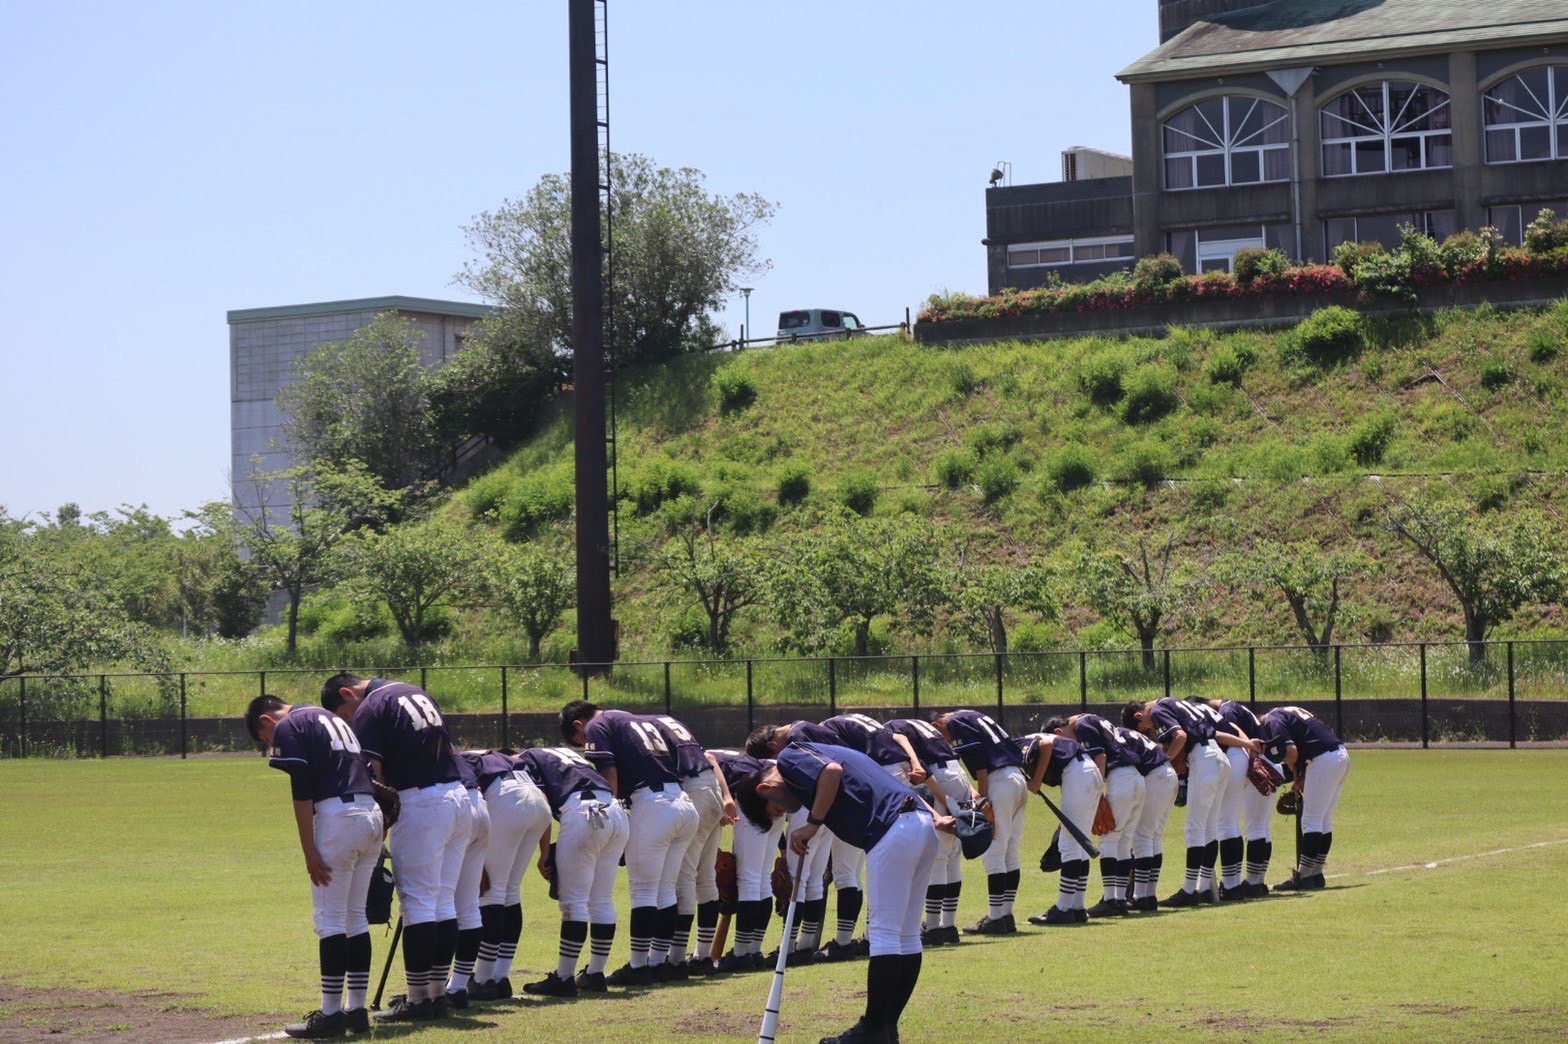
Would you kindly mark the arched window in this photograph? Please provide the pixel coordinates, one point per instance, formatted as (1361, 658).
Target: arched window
(1389, 126)
(1232, 140)
(1527, 116)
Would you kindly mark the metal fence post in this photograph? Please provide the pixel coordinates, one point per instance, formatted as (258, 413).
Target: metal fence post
(1001, 701)
(1425, 727)
(505, 718)
(833, 684)
(1083, 679)
(262, 690)
(21, 699)
(422, 683)
(1252, 676)
(751, 717)
(185, 736)
(667, 686)
(585, 684)
(914, 674)
(1339, 708)
(103, 716)
(1167, 658)
(1513, 722)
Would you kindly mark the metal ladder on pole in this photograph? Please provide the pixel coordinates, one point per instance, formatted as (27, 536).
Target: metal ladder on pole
(607, 210)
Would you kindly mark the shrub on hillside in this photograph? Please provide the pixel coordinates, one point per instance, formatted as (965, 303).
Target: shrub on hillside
(1071, 467)
(536, 499)
(1329, 335)
(1495, 373)
(988, 438)
(964, 380)
(954, 467)
(794, 484)
(660, 481)
(485, 493)
(858, 491)
(1150, 394)
(1147, 463)
(1543, 344)
(1100, 376)
(736, 388)
(1226, 366)
(1251, 262)
(1156, 270)
(1370, 438)
(997, 477)
(1348, 255)
(742, 511)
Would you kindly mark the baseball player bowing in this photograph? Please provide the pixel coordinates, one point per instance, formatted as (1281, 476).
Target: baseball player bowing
(846, 792)
(696, 887)
(754, 852)
(993, 759)
(1303, 744)
(1058, 761)
(519, 814)
(945, 776)
(633, 755)
(1124, 791)
(1159, 797)
(1242, 801)
(593, 836)
(401, 732)
(340, 836)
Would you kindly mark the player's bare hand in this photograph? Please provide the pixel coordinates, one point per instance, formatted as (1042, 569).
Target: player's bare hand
(731, 812)
(918, 774)
(1034, 786)
(944, 823)
(320, 873)
(546, 869)
(799, 839)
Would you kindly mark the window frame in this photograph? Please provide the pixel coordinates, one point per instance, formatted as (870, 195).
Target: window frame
(1071, 246)
(1228, 148)
(1554, 122)
(1387, 132)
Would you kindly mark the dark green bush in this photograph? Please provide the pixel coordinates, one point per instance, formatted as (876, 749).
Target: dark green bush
(1251, 262)
(1329, 335)
(987, 438)
(858, 491)
(998, 476)
(964, 380)
(794, 484)
(736, 388)
(662, 480)
(1495, 373)
(1348, 255)
(954, 467)
(1543, 344)
(1225, 366)
(1148, 463)
(1155, 271)
(538, 498)
(1545, 234)
(1100, 375)
(1150, 394)
(1370, 438)
(1071, 467)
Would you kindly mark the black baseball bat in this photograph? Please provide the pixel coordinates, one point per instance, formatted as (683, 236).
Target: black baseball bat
(1072, 828)
(397, 933)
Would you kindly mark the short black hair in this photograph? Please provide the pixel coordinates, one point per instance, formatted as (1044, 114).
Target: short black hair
(1130, 711)
(577, 710)
(266, 703)
(331, 696)
(759, 744)
(752, 804)
(1054, 722)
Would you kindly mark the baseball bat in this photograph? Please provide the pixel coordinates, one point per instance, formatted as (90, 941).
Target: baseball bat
(397, 933)
(770, 1015)
(1072, 828)
(720, 937)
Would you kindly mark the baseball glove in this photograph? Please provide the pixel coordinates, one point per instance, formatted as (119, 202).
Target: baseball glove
(378, 900)
(724, 870)
(1289, 803)
(783, 886)
(1104, 818)
(1262, 774)
(387, 798)
(1051, 862)
(555, 877)
(984, 805)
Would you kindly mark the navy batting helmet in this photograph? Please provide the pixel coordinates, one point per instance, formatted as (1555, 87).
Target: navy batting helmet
(972, 829)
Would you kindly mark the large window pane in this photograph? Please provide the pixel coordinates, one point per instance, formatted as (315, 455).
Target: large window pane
(1055, 255)
(1211, 169)
(1244, 168)
(1440, 150)
(1405, 153)
(1276, 165)
(1535, 142)
(1506, 221)
(1337, 231)
(1500, 146)
(1370, 158)
(1336, 159)
(1178, 173)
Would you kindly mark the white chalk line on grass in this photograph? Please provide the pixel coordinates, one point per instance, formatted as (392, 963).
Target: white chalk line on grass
(248, 1040)
(1457, 859)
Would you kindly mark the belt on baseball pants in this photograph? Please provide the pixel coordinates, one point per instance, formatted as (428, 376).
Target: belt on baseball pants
(700, 772)
(669, 789)
(352, 801)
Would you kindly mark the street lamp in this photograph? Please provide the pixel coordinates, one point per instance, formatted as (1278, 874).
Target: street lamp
(745, 331)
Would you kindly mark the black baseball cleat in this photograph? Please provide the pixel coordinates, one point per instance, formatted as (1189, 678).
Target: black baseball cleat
(1003, 925)
(672, 972)
(356, 1020)
(860, 1033)
(457, 1000)
(735, 962)
(404, 1011)
(701, 966)
(626, 975)
(1054, 916)
(1234, 894)
(552, 985)
(1298, 883)
(491, 990)
(836, 951)
(1314, 882)
(1080, 916)
(1181, 899)
(439, 1007)
(944, 936)
(1256, 889)
(592, 982)
(1144, 904)
(318, 1026)
(796, 958)
(1109, 908)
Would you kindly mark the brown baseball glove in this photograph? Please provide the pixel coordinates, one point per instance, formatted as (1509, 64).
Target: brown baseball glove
(783, 885)
(1289, 803)
(387, 798)
(1263, 775)
(724, 870)
(1104, 818)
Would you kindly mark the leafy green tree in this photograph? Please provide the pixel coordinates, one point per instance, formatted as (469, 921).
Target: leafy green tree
(851, 570)
(1134, 591)
(724, 576)
(983, 596)
(677, 252)
(412, 568)
(1306, 575)
(1493, 563)
(221, 590)
(294, 548)
(533, 587)
(496, 383)
(365, 399)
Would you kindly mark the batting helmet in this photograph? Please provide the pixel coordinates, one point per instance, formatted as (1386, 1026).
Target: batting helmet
(972, 829)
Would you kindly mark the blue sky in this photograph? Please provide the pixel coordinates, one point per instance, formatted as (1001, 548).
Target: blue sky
(167, 161)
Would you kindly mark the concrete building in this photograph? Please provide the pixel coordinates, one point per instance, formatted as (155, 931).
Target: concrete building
(263, 346)
(1301, 124)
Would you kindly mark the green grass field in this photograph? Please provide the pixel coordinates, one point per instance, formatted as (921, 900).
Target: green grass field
(1442, 920)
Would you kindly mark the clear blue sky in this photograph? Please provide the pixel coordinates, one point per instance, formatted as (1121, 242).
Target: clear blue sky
(165, 162)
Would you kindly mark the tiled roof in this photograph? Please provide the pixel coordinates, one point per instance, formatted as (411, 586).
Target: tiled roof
(1289, 33)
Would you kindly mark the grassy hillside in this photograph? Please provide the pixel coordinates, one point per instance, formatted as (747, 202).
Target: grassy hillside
(1022, 450)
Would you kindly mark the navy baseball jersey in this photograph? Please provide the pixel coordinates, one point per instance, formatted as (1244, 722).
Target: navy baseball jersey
(1147, 755)
(488, 765)
(1240, 715)
(869, 800)
(320, 753)
(1064, 751)
(1097, 736)
(634, 747)
(560, 772)
(929, 745)
(809, 732)
(737, 763)
(869, 736)
(399, 726)
(1197, 720)
(983, 745)
(1283, 726)
(684, 748)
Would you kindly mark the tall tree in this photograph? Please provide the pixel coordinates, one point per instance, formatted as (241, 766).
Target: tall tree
(677, 252)
(849, 570)
(1136, 591)
(221, 590)
(533, 587)
(1307, 575)
(724, 576)
(294, 548)
(983, 596)
(413, 568)
(1494, 563)
(364, 399)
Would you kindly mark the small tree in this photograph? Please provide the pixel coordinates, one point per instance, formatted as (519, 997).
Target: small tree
(219, 589)
(533, 587)
(1135, 592)
(1492, 563)
(723, 576)
(1306, 575)
(412, 568)
(984, 595)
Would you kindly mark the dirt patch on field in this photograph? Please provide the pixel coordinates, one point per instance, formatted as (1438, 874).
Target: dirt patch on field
(29, 1015)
